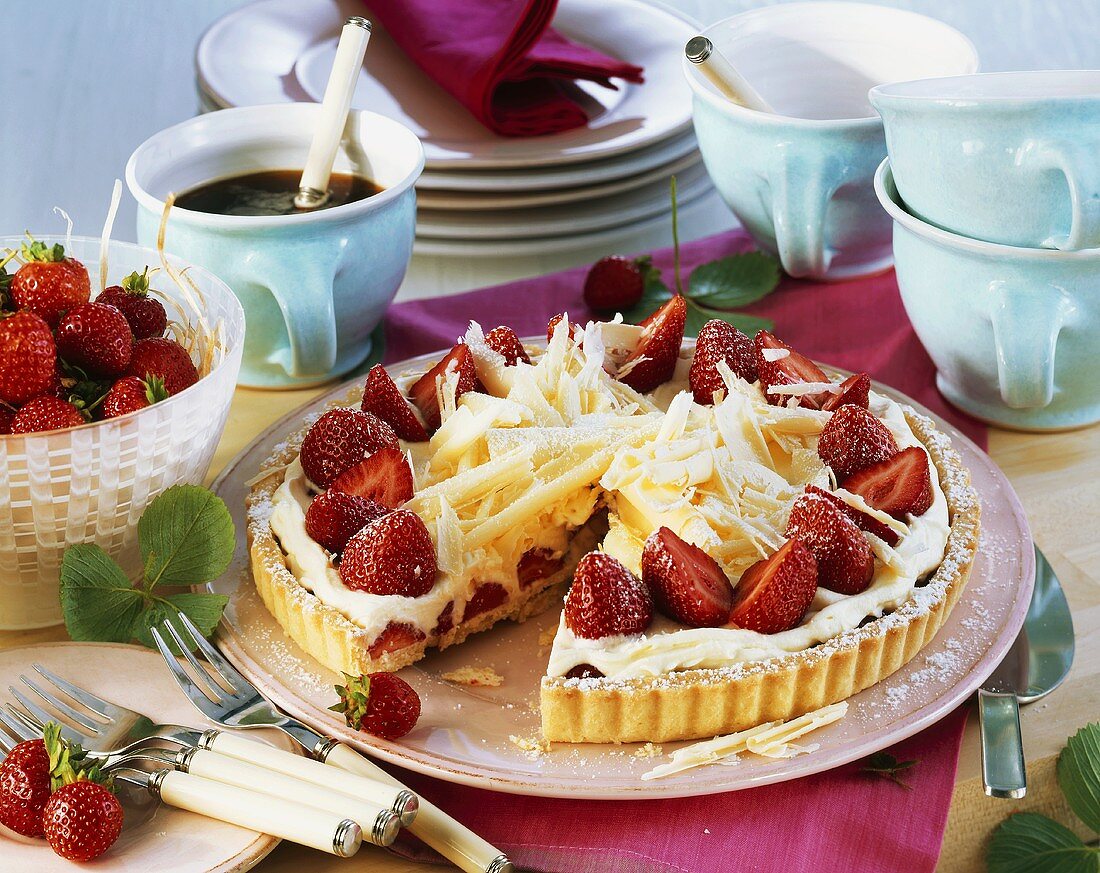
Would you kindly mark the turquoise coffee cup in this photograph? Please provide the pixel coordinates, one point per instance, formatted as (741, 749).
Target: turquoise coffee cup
(802, 181)
(1010, 158)
(1012, 331)
(314, 285)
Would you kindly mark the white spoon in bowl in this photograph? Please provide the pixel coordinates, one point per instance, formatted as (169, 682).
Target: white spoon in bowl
(716, 67)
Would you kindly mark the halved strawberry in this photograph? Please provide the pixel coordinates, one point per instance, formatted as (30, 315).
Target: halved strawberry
(385, 477)
(382, 397)
(445, 621)
(654, 358)
(845, 562)
(392, 555)
(774, 594)
(606, 599)
(537, 564)
(584, 671)
(852, 440)
(504, 341)
(424, 391)
(862, 520)
(854, 391)
(334, 517)
(487, 595)
(900, 485)
(395, 636)
(790, 369)
(341, 438)
(576, 331)
(685, 582)
(720, 341)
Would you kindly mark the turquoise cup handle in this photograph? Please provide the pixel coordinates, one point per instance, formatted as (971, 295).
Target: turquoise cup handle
(301, 285)
(1026, 324)
(801, 190)
(1077, 162)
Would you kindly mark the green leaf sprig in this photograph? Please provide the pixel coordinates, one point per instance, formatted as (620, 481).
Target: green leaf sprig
(713, 289)
(1027, 842)
(886, 766)
(186, 536)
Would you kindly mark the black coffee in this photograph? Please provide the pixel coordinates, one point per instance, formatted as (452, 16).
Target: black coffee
(270, 192)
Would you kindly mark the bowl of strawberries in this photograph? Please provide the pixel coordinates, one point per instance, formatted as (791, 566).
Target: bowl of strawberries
(117, 368)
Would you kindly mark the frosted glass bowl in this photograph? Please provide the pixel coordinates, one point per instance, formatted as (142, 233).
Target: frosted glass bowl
(91, 483)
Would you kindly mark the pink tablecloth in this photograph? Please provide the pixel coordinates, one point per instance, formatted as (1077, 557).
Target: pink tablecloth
(839, 821)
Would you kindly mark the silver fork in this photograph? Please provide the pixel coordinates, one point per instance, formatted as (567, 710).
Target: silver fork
(316, 828)
(246, 707)
(122, 735)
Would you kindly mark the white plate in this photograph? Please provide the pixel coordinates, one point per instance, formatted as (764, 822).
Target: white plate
(610, 211)
(596, 244)
(154, 837)
(463, 734)
(473, 201)
(276, 51)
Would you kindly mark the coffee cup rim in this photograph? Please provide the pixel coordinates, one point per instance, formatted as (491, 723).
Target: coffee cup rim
(248, 222)
(895, 93)
(860, 122)
(884, 181)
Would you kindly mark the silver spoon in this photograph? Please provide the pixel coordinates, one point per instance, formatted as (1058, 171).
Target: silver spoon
(1036, 664)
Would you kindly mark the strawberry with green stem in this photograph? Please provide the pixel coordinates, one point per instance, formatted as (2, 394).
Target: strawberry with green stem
(380, 703)
(145, 314)
(48, 283)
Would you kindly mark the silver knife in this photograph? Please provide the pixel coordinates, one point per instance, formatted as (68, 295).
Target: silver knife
(1036, 664)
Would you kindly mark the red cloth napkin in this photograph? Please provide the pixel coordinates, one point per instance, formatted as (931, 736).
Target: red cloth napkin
(501, 60)
(842, 820)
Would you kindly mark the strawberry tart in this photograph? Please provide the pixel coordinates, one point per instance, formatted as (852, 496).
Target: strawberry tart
(739, 537)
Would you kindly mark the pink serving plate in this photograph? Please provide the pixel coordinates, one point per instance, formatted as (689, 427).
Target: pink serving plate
(464, 733)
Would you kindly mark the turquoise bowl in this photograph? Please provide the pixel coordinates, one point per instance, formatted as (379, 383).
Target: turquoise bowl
(801, 180)
(314, 285)
(1012, 331)
(1011, 158)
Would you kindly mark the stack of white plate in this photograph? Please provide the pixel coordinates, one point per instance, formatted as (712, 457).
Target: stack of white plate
(482, 194)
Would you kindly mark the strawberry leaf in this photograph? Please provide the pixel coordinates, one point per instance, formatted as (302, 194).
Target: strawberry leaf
(1079, 774)
(654, 294)
(698, 315)
(205, 610)
(97, 600)
(1027, 842)
(734, 281)
(186, 536)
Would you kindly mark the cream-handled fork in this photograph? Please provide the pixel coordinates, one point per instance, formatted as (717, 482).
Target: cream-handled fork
(120, 736)
(246, 707)
(316, 828)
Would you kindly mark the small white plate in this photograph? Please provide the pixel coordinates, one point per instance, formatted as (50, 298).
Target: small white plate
(154, 836)
(476, 201)
(276, 51)
(606, 212)
(463, 733)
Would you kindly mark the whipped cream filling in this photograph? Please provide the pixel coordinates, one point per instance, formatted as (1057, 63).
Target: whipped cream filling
(667, 646)
(313, 567)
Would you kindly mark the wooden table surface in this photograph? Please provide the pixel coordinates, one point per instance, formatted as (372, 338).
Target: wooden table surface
(1056, 477)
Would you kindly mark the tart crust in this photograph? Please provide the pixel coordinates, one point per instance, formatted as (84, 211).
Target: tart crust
(325, 632)
(709, 702)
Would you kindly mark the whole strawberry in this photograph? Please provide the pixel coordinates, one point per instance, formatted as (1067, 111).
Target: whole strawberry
(95, 337)
(130, 394)
(853, 440)
(82, 818)
(392, 555)
(720, 341)
(379, 703)
(606, 599)
(615, 283)
(383, 398)
(145, 314)
(165, 359)
(340, 439)
(28, 358)
(334, 517)
(504, 341)
(48, 283)
(25, 787)
(46, 413)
